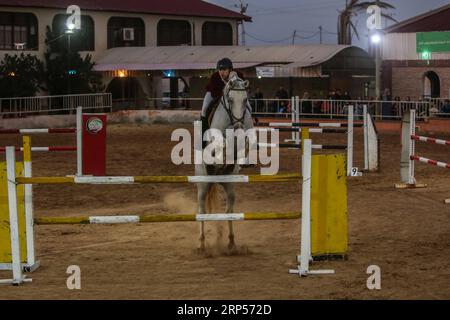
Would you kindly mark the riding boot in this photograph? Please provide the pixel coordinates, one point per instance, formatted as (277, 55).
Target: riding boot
(205, 126)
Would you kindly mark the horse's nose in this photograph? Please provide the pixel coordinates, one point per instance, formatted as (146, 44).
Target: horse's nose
(238, 125)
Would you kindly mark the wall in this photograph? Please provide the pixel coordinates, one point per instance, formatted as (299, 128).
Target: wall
(403, 46)
(45, 17)
(408, 81)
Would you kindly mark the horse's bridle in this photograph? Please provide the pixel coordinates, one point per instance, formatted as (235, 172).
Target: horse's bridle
(234, 120)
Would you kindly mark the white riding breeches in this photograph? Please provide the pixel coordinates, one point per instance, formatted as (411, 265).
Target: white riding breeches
(206, 102)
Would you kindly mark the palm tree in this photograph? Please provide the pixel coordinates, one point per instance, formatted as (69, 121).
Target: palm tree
(345, 24)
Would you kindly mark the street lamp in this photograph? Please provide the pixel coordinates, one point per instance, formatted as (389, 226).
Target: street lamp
(376, 40)
(69, 31)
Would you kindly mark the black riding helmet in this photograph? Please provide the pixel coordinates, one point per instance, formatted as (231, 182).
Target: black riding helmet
(225, 63)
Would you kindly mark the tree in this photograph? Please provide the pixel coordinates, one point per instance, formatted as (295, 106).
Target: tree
(20, 76)
(66, 70)
(345, 24)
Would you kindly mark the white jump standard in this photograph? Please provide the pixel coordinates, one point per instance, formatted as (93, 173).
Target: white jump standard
(409, 155)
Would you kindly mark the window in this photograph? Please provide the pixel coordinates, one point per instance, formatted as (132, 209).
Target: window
(80, 40)
(18, 31)
(126, 32)
(217, 34)
(174, 33)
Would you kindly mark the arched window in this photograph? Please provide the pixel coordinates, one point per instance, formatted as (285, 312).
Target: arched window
(174, 33)
(126, 32)
(80, 40)
(432, 85)
(217, 34)
(18, 31)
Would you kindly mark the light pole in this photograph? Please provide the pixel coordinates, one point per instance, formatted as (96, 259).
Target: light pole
(376, 40)
(69, 31)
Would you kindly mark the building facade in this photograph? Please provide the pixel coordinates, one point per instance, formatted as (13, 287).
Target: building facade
(112, 24)
(416, 56)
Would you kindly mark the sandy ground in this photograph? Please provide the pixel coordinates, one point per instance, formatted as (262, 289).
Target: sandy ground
(405, 232)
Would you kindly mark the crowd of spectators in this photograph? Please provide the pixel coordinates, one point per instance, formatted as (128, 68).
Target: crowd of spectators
(337, 102)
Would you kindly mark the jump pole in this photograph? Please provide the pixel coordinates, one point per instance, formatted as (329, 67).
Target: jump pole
(18, 276)
(156, 218)
(79, 141)
(31, 263)
(305, 241)
(366, 138)
(294, 116)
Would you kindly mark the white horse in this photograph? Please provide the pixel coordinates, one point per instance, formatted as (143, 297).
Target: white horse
(233, 112)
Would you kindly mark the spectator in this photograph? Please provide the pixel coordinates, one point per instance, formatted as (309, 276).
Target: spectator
(315, 104)
(446, 108)
(386, 107)
(359, 108)
(397, 107)
(257, 100)
(409, 105)
(283, 98)
(306, 104)
(346, 96)
(338, 105)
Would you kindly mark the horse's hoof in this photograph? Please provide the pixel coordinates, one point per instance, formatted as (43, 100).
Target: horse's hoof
(201, 249)
(232, 247)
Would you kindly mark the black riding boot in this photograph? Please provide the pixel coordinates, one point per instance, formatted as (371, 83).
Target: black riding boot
(205, 126)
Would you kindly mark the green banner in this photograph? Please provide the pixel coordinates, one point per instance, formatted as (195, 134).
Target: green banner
(433, 41)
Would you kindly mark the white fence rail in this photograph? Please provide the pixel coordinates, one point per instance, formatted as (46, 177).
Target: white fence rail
(320, 108)
(54, 104)
(317, 108)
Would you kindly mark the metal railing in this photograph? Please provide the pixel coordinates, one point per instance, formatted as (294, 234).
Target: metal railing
(314, 108)
(325, 108)
(317, 108)
(62, 104)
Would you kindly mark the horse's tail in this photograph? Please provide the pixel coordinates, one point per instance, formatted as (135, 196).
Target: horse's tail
(212, 199)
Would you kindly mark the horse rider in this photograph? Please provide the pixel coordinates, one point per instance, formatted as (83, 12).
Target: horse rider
(214, 89)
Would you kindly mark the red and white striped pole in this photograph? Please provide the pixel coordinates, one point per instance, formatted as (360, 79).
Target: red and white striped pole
(31, 131)
(430, 161)
(430, 140)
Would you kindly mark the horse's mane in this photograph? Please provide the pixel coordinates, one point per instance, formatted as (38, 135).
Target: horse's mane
(235, 82)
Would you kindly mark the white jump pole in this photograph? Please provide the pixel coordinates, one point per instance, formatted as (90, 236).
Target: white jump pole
(412, 146)
(366, 139)
(18, 276)
(79, 141)
(305, 245)
(293, 117)
(350, 141)
(305, 241)
(31, 264)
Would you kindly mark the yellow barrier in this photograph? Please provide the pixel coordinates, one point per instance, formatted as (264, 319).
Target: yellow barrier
(329, 234)
(153, 179)
(166, 218)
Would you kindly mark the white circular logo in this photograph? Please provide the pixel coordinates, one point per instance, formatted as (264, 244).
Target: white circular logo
(94, 125)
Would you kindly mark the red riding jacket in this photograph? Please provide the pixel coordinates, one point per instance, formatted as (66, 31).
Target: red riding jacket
(216, 84)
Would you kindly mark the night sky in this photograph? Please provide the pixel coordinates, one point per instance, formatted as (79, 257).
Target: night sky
(274, 22)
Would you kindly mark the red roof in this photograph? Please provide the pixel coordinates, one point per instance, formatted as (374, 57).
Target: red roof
(195, 8)
(435, 20)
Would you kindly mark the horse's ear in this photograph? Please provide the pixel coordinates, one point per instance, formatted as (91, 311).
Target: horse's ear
(247, 84)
